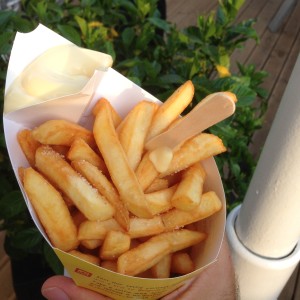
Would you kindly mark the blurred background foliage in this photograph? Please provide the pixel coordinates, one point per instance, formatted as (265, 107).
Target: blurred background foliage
(156, 55)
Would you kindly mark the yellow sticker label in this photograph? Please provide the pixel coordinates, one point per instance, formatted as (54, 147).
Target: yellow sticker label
(114, 285)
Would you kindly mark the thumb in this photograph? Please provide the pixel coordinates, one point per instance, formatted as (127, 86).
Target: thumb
(63, 288)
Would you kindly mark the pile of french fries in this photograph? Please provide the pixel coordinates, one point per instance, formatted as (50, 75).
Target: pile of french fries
(99, 196)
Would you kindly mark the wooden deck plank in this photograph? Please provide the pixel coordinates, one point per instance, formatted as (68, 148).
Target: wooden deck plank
(281, 51)
(185, 13)
(279, 65)
(296, 294)
(275, 97)
(288, 293)
(263, 12)
(6, 287)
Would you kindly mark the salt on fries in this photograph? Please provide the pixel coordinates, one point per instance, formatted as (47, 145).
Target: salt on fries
(98, 192)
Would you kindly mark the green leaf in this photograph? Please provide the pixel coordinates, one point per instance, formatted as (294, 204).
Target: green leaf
(27, 239)
(128, 36)
(221, 17)
(11, 205)
(239, 3)
(245, 95)
(147, 34)
(128, 63)
(5, 17)
(70, 33)
(235, 168)
(22, 24)
(135, 79)
(248, 32)
(52, 259)
(82, 25)
(87, 3)
(109, 49)
(172, 79)
(143, 7)
(263, 93)
(160, 23)
(5, 42)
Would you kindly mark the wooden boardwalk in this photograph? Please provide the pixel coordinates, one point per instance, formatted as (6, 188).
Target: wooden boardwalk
(276, 53)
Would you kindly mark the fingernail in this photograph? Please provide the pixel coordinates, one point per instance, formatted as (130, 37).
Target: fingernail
(55, 293)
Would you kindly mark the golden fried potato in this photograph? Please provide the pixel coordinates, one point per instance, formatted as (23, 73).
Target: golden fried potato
(28, 145)
(80, 150)
(105, 188)
(61, 132)
(171, 109)
(115, 244)
(188, 193)
(86, 198)
(51, 210)
(209, 205)
(117, 164)
(133, 130)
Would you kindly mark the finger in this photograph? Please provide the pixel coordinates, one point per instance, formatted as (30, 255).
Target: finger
(175, 295)
(63, 288)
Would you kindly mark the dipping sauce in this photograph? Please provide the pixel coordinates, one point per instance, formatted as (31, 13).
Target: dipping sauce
(60, 71)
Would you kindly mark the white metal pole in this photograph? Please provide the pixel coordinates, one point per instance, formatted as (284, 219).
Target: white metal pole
(264, 231)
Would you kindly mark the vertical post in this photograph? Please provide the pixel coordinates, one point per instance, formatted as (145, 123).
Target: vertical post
(264, 231)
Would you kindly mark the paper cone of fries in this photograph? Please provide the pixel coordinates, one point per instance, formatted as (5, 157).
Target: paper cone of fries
(78, 106)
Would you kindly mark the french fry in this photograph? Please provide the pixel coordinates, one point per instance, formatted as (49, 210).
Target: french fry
(145, 227)
(176, 218)
(171, 109)
(78, 217)
(61, 149)
(198, 148)
(144, 256)
(182, 238)
(115, 244)
(21, 173)
(149, 253)
(86, 198)
(28, 145)
(80, 150)
(61, 132)
(157, 185)
(133, 130)
(96, 230)
(87, 257)
(160, 201)
(115, 116)
(146, 172)
(116, 161)
(182, 263)
(188, 193)
(91, 244)
(69, 202)
(163, 268)
(51, 210)
(105, 188)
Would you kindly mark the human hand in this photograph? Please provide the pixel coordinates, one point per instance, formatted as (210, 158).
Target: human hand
(216, 282)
